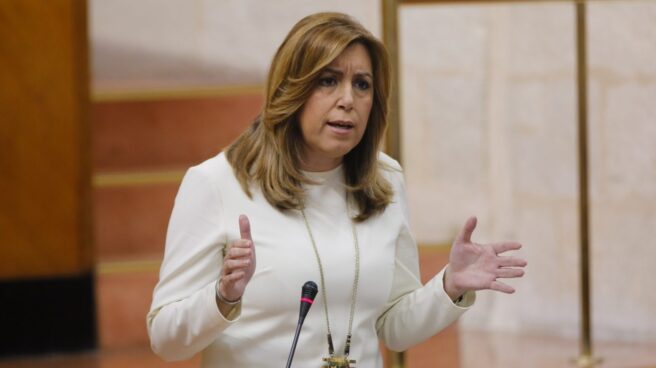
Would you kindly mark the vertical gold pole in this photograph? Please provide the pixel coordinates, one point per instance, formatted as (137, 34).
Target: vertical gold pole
(585, 358)
(396, 360)
(393, 137)
(585, 340)
(391, 39)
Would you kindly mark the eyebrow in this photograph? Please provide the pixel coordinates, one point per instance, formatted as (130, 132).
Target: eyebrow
(340, 73)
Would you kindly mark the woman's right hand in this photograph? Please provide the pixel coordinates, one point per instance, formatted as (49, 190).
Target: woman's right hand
(238, 264)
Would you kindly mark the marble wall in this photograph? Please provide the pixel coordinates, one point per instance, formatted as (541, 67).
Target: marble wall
(489, 128)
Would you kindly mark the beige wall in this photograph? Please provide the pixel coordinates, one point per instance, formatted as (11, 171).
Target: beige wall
(489, 128)
(623, 100)
(173, 43)
(489, 124)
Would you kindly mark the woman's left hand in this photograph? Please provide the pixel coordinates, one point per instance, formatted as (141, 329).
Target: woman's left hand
(479, 266)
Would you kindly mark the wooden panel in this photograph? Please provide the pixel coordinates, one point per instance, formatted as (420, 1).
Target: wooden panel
(147, 135)
(123, 301)
(44, 168)
(130, 221)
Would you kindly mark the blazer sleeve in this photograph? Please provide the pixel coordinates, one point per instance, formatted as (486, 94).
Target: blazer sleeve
(184, 318)
(414, 312)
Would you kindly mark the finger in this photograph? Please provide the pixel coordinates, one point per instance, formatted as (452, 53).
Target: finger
(242, 248)
(230, 279)
(232, 265)
(238, 252)
(500, 286)
(511, 262)
(467, 230)
(504, 247)
(509, 273)
(245, 228)
(240, 244)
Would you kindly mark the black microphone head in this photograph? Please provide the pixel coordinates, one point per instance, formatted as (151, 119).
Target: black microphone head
(309, 290)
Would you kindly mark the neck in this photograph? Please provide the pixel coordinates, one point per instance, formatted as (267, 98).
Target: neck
(320, 165)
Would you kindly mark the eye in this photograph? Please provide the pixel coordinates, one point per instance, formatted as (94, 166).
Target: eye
(327, 81)
(362, 84)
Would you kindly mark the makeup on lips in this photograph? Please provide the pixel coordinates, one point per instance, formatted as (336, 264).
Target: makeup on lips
(341, 126)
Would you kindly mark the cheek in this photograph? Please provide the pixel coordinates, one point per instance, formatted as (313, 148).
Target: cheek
(311, 114)
(369, 106)
(366, 101)
(365, 110)
(305, 119)
(302, 122)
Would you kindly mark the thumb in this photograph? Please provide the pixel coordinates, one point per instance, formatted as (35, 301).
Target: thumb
(465, 234)
(245, 227)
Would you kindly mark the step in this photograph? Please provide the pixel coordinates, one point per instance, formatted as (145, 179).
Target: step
(136, 135)
(130, 221)
(123, 300)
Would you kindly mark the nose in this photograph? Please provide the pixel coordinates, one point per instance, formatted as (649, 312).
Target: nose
(345, 99)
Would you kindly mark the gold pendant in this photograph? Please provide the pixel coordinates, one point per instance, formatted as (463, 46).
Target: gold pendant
(338, 362)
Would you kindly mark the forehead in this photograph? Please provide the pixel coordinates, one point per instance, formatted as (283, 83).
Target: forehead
(355, 57)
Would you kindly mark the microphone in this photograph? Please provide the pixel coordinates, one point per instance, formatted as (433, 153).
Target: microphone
(308, 292)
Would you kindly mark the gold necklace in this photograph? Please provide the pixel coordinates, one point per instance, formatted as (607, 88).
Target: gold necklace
(336, 361)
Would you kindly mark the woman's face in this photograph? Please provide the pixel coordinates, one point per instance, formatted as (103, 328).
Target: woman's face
(334, 118)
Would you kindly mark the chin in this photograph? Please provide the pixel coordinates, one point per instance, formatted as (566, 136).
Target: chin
(339, 153)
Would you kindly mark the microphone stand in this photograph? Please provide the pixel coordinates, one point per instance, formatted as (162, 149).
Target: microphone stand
(298, 332)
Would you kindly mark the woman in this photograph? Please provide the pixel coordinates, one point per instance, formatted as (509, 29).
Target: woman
(316, 200)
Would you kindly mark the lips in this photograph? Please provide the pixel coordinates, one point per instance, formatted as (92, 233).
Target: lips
(341, 124)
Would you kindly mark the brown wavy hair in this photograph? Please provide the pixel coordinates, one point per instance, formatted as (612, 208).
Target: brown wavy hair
(268, 154)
